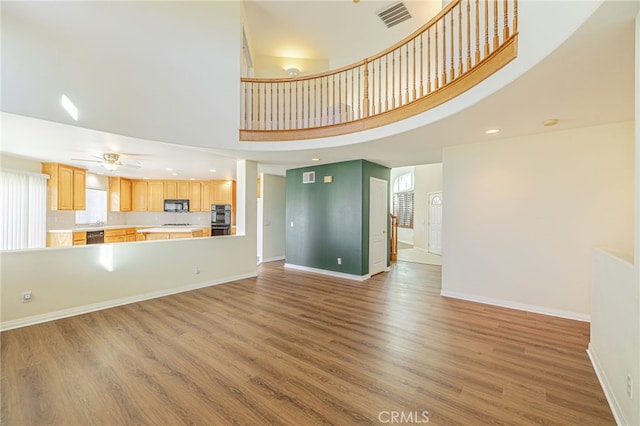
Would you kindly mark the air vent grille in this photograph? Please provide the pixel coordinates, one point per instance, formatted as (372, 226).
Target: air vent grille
(309, 177)
(394, 14)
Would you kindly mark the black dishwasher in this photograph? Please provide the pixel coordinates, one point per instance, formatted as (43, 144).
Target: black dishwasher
(95, 237)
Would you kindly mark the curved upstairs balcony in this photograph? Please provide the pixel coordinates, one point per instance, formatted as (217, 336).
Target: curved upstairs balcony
(468, 41)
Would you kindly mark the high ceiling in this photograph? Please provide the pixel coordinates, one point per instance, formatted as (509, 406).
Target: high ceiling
(577, 84)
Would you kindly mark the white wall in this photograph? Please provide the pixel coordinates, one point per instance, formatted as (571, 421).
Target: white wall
(427, 179)
(67, 281)
(273, 222)
(613, 349)
(522, 215)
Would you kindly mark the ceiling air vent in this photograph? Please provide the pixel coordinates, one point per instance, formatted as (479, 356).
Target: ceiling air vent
(394, 14)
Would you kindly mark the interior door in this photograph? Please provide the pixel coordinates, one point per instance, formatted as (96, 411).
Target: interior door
(435, 222)
(378, 218)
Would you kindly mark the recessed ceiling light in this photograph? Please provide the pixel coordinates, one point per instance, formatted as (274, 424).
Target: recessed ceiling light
(69, 107)
(169, 169)
(492, 131)
(174, 174)
(550, 122)
(315, 159)
(212, 170)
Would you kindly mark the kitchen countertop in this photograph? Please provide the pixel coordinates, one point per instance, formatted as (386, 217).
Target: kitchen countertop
(138, 227)
(173, 229)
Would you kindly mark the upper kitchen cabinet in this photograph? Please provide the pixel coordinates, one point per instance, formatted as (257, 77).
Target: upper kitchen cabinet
(139, 198)
(205, 193)
(120, 194)
(195, 196)
(183, 190)
(221, 192)
(170, 189)
(66, 187)
(155, 200)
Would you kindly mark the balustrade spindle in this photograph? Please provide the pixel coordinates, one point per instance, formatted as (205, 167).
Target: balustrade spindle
(429, 60)
(444, 52)
(393, 79)
(352, 103)
(360, 115)
(406, 83)
(486, 28)
(515, 16)
(468, 34)
(460, 39)
(451, 69)
(386, 82)
(365, 107)
(477, 31)
(421, 67)
(400, 77)
(505, 29)
(373, 90)
(436, 83)
(379, 85)
(496, 39)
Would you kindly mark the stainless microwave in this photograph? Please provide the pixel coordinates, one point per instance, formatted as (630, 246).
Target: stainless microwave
(176, 206)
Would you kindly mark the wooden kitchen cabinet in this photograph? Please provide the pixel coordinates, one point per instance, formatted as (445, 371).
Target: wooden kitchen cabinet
(115, 235)
(221, 192)
(182, 190)
(120, 194)
(155, 200)
(170, 189)
(205, 193)
(66, 187)
(79, 238)
(195, 196)
(131, 234)
(140, 196)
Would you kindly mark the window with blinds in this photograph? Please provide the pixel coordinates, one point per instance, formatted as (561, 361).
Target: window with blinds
(403, 208)
(23, 210)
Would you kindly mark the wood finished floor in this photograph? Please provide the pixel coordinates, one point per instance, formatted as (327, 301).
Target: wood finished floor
(295, 348)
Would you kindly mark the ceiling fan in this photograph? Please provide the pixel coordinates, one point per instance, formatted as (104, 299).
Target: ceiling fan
(111, 161)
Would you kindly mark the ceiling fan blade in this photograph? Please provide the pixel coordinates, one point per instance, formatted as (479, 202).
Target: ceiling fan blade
(132, 164)
(87, 161)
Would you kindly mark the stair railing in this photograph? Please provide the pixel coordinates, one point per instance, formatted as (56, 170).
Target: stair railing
(464, 44)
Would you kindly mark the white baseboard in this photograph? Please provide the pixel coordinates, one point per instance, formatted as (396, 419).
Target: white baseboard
(273, 259)
(604, 384)
(37, 319)
(330, 273)
(519, 306)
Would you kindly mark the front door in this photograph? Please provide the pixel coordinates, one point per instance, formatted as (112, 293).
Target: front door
(435, 222)
(378, 219)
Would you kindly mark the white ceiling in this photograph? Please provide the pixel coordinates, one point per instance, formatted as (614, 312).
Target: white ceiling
(577, 84)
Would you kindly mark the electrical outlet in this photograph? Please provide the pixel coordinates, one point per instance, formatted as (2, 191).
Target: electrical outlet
(629, 387)
(26, 296)
(197, 270)
(339, 261)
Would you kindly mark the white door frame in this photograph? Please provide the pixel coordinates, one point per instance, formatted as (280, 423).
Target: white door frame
(376, 234)
(438, 246)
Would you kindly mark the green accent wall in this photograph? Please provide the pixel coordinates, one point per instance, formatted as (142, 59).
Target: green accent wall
(331, 220)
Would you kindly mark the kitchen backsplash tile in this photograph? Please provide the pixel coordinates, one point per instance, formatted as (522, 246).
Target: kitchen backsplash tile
(66, 219)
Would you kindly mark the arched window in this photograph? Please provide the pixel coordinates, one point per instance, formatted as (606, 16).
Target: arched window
(403, 200)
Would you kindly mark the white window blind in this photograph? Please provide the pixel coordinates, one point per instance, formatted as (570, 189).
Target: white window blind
(403, 208)
(23, 210)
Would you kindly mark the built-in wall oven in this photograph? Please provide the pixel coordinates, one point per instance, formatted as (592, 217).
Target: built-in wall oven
(220, 219)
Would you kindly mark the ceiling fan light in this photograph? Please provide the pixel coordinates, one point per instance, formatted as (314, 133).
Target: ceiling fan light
(110, 166)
